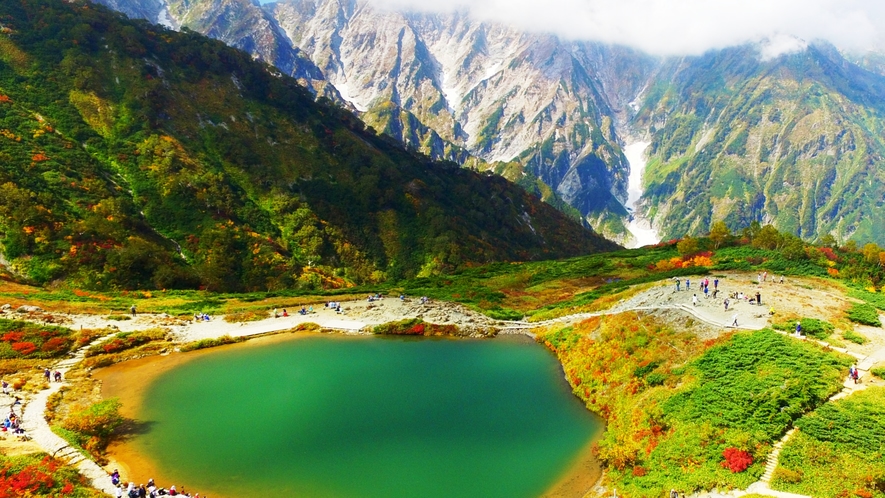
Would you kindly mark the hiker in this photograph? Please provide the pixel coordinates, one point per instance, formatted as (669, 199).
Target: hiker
(132, 309)
(694, 300)
(782, 279)
(715, 293)
(687, 284)
(303, 310)
(677, 283)
(771, 311)
(715, 283)
(285, 313)
(46, 374)
(118, 492)
(706, 291)
(758, 298)
(275, 314)
(57, 376)
(726, 304)
(674, 494)
(115, 477)
(5, 386)
(855, 375)
(798, 329)
(734, 320)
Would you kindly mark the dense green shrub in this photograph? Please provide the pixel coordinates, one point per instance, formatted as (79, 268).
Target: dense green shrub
(759, 383)
(838, 450)
(876, 299)
(864, 314)
(812, 327)
(93, 427)
(854, 337)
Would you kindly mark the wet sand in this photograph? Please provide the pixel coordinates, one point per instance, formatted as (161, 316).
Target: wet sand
(580, 478)
(130, 380)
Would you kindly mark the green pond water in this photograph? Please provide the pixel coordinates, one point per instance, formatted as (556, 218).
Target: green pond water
(366, 417)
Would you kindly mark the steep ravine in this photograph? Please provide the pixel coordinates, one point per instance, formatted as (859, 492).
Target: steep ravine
(642, 232)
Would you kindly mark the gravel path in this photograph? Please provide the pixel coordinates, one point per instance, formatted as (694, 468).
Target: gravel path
(34, 423)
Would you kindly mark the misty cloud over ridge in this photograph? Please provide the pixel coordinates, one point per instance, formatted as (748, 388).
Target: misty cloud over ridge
(680, 27)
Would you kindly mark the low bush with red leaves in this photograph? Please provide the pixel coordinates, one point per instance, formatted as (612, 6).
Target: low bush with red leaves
(736, 460)
(41, 476)
(30, 340)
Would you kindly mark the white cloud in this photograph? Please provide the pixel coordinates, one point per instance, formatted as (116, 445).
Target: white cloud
(681, 27)
(780, 44)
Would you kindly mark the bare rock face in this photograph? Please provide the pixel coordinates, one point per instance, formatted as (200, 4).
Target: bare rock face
(499, 93)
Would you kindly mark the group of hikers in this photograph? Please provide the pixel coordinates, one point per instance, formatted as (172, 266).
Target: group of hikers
(12, 423)
(737, 296)
(123, 490)
(50, 376)
(853, 374)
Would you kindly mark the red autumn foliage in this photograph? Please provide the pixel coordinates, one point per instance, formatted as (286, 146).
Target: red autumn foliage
(24, 348)
(15, 336)
(639, 471)
(35, 479)
(55, 344)
(28, 482)
(39, 157)
(829, 254)
(736, 460)
(113, 346)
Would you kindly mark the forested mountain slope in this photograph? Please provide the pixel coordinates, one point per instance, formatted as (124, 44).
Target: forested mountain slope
(795, 142)
(135, 156)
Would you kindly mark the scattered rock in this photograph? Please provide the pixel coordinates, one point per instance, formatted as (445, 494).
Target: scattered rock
(28, 309)
(6, 307)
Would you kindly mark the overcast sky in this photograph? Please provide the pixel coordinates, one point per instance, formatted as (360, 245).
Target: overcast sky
(682, 27)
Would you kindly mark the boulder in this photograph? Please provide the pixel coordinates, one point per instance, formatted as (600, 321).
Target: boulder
(28, 309)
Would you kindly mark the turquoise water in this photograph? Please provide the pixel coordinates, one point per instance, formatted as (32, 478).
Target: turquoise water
(366, 417)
